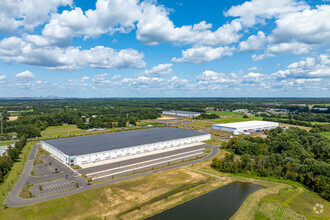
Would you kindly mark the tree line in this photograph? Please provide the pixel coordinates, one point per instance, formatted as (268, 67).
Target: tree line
(7, 160)
(306, 117)
(293, 154)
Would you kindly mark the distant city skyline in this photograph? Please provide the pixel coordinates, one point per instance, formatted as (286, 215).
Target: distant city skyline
(130, 48)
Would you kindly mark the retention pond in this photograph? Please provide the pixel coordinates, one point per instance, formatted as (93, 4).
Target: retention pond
(218, 204)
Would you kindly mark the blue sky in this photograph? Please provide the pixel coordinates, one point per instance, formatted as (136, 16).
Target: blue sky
(185, 48)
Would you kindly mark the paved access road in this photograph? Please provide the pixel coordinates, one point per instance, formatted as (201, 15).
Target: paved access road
(13, 199)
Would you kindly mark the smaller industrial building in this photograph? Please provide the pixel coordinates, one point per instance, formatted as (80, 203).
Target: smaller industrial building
(246, 127)
(182, 113)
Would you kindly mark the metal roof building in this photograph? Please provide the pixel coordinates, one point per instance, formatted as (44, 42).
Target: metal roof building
(245, 127)
(182, 113)
(93, 148)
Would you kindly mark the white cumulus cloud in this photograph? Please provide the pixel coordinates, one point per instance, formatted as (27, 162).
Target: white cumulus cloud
(25, 75)
(256, 11)
(159, 70)
(26, 13)
(253, 43)
(310, 26)
(310, 67)
(70, 58)
(204, 54)
(294, 47)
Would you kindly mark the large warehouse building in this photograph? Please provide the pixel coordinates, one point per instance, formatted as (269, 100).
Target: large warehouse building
(245, 127)
(182, 113)
(94, 148)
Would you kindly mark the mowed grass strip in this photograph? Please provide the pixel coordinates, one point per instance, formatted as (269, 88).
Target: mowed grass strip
(61, 130)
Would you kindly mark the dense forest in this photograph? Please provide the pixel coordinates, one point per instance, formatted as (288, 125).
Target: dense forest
(293, 154)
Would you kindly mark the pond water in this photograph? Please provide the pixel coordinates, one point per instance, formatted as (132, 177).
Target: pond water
(218, 204)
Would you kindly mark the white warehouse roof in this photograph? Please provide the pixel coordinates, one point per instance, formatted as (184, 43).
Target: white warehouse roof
(247, 124)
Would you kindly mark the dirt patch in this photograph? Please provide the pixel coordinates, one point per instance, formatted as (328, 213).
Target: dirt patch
(124, 195)
(298, 126)
(165, 117)
(12, 118)
(164, 196)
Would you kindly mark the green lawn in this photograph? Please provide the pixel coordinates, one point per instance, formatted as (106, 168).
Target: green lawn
(327, 134)
(238, 119)
(319, 123)
(225, 113)
(4, 143)
(148, 123)
(292, 203)
(60, 130)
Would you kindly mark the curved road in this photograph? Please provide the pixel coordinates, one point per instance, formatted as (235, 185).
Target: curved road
(13, 199)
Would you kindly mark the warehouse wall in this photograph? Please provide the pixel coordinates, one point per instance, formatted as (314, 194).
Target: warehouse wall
(54, 151)
(220, 128)
(180, 114)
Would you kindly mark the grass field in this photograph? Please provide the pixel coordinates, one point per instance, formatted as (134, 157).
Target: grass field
(293, 203)
(238, 119)
(60, 130)
(319, 123)
(200, 124)
(4, 143)
(19, 113)
(148, 123)
(298, 126)
(327, 134)
(225, 113)
(214, 141)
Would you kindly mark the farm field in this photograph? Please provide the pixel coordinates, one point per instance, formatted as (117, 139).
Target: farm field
(61, 130)
(238, 119)
(224, 113)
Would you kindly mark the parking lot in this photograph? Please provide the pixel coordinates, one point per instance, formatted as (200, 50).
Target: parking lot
(49, 166)
(55, 186)
(54, 177)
